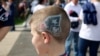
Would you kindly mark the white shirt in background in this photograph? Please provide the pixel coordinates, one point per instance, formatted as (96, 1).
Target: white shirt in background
(38, 7)
(33, 4)
(77, 8)
(91, 32)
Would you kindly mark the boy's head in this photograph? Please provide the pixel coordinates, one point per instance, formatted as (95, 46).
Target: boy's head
(50, 27)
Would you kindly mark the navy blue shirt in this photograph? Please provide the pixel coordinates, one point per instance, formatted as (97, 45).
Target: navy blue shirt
(5, 20)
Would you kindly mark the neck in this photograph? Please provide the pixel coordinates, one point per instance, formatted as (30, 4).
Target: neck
(56, 50)
(75, 3)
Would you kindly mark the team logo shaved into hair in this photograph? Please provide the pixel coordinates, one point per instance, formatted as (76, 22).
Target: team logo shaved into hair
(52, 24)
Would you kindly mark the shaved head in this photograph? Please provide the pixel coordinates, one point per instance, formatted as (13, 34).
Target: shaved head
(53, 20)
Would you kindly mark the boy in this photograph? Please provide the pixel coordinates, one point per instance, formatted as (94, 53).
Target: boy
(50, 27)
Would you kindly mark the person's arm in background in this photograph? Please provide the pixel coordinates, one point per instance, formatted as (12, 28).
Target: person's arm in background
(4, 31)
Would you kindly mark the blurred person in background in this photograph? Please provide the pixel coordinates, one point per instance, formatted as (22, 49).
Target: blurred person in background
(5, 20)
(73, 10)
(22, 7)
(60, 3)
(5, 5)
(33, 4)
(11, 5)
(41, 4)
(90, 30)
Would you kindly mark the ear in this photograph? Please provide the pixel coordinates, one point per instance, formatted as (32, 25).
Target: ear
(46, 37)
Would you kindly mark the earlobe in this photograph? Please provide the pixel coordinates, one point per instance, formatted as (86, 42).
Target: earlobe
(46, 37)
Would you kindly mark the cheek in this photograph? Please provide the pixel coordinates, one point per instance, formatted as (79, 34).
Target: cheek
(33, 42)
(38, 44)
(36, 41)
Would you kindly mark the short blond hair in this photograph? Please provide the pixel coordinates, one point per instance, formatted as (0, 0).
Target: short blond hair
(52, 12)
